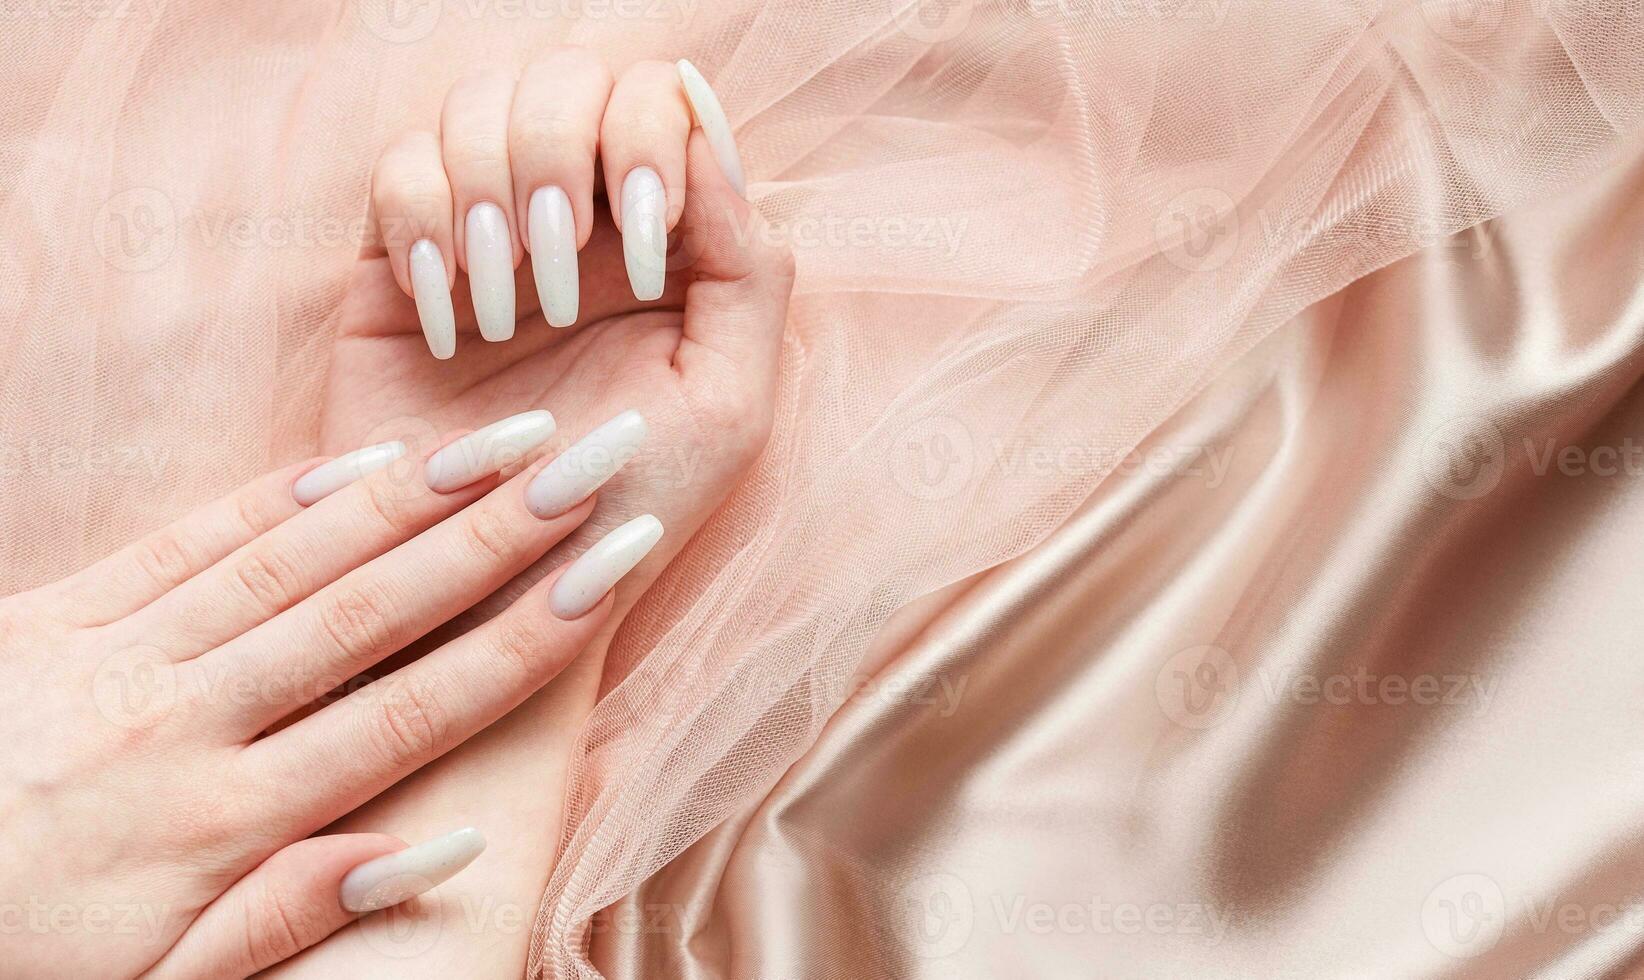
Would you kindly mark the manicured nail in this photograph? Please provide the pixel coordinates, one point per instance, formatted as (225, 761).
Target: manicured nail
(393, 878)
(433, 295)
(584, 468)
(710, 115)
(599, 568)
(487, 450)
(327, 478)
(554, 254)
(491, 270)
(645, 232)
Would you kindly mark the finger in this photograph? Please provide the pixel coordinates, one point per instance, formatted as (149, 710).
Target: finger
(736, 306)
(474, 140)
(280, 569)
(710, 115)
(148, 568)
(411, 200)
(384, 605)
(304, 893)
(377, 735)
(553, 137)
(642, 147)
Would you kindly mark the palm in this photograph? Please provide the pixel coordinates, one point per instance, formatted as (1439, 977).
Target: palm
(620, 355)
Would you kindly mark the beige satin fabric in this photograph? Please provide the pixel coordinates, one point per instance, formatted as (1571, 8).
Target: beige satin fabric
(1340, 676)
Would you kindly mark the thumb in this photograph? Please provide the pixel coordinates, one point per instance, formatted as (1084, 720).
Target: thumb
(304, 893)
(740, 278)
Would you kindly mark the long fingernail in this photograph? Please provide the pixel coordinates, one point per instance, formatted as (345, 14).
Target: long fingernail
(491, 270)
(433, 295)
(599, 568)
(327, 478)
(644, 232)
(585, 466)
(487, 450)
(554, 254)
(710, 115)
(393, 878)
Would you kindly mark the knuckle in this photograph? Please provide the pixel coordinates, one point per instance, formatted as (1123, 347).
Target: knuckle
(357, 623)
(546, 138)
(477, 151)
(411, 726)
(492, 536)
(256, 513)
(519, 643)
(412, 194)
(276, 927)
(383, 504)
(164, 558)
(269, 579)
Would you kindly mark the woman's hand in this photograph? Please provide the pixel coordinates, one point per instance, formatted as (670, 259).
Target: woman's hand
(701, 364)
(155, 802)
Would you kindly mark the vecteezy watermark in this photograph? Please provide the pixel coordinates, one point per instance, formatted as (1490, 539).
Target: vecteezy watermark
(136, 229)
(1463, 21)
(933, 458)
(942, 235)
(19, 459)
(1465, 457)
(936, 915)
(17, 10)
(410, 21)
(1198, 229)
(38, 916)
(932, 21)
(138, 687)
(936, 457)
(1202, 687)
(1467, 915)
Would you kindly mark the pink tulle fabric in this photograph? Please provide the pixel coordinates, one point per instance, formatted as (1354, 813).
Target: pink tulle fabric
(1027, 231)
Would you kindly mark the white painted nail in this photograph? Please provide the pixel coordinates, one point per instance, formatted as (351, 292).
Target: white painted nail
(327, 478)
(433, 295)
(491, 270)
(585, 466)
(599, 568)
(554, 254)
(487, 450)
(393, 878)
(710, 115)
(645, 232)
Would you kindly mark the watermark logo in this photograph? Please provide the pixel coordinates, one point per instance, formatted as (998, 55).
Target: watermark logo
(932, 21)
(1199, 687)
(1463, 459)
(1198, 230)
(937, 915)
(136, 229)
(1465, 915)
(934, 458)
(401, 21)
(134, 688)
(1462, 21)
(407, 930)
